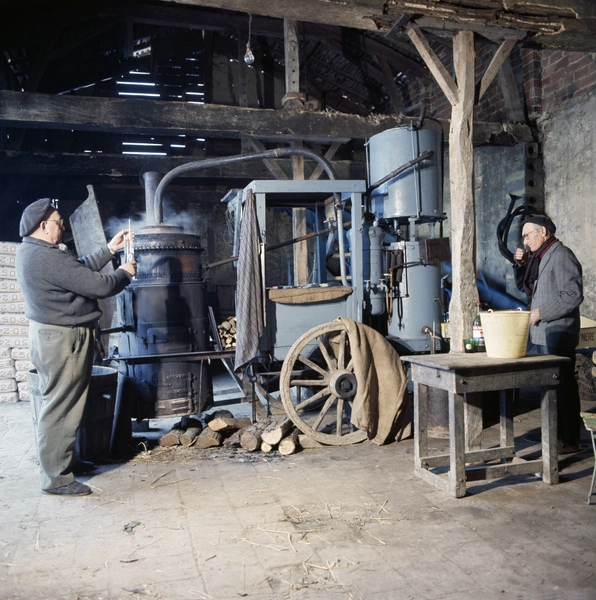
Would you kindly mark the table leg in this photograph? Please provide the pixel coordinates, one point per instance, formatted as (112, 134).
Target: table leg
(550, 450)
(506, 418)
(457, 455)
(473, 420)
(420, 422)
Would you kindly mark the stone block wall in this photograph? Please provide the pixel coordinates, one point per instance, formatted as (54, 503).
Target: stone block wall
(14, 331)
(569, 157)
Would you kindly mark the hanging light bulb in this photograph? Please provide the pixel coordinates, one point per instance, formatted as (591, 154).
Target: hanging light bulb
(249, 57)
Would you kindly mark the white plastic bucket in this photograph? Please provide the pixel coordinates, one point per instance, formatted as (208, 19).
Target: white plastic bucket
(505, 332)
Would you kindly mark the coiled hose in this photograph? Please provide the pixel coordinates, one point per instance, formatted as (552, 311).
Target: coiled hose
(505, 225)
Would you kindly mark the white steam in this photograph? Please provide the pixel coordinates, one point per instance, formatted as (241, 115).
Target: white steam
(184, 219)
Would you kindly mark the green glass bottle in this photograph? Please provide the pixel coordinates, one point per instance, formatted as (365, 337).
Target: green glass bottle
(477, 332)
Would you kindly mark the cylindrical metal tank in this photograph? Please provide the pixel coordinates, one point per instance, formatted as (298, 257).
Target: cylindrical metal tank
(376, 292)
(163, 311)
(417, 192)
(417, 305)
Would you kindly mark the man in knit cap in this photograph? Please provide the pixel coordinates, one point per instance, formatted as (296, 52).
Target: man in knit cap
(552, 277)
(61, 294)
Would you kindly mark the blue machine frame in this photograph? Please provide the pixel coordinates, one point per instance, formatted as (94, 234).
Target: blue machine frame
(296, 319)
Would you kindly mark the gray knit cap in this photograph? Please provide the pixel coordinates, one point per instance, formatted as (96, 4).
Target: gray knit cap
(33, 215)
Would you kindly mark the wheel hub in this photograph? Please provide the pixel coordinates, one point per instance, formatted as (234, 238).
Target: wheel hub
(343, 384)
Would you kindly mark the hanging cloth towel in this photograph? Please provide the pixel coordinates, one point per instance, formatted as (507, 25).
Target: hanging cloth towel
(249, 290)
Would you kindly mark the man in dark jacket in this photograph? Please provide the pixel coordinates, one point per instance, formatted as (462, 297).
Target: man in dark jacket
(61, 294)
(552, 277)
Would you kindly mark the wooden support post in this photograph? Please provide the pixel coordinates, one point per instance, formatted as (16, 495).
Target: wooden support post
(513, 102)
(461, 173)
(271, 164)
(294, 99)
(329, 155)
(501, 55)
(461, 166)
(461, 170)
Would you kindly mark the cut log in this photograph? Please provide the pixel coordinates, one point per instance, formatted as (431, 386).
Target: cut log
(307, 442)
(265, 447)
(279, 429)
(289, 444)
(187, 422)
(234, 440)
(190, 435)
(172, 438)
(251, 439)
(208, 439)
(224, 424)
(224, 414)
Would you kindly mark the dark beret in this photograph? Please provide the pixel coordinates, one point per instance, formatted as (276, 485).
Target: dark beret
(33, 215)
(542, 221)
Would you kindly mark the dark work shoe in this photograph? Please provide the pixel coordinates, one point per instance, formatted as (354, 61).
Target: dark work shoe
(81, 467)
(75, 488)
(568, 448)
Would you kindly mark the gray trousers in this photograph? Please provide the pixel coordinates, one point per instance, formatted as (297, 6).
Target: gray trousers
(63, 357)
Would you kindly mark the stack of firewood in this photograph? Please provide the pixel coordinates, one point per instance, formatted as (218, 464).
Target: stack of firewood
(227, 333)
(222, 429)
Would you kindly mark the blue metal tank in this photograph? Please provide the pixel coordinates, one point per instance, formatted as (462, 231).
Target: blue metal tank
(416, 193)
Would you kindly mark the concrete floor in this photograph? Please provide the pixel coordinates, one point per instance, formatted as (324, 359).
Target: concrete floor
(336, 522)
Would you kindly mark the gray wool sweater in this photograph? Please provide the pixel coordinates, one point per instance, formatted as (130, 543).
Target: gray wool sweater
(62, 290)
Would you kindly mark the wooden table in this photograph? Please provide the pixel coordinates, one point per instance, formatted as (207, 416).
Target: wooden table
(463, 376)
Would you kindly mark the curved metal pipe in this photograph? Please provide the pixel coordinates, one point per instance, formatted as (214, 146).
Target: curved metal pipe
(411, 163)
(226, 160)
(339, 213)
(407, 111)
(151, 181)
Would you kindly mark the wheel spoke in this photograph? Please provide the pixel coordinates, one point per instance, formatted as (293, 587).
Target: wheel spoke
(308, 382)
(340, 416)
(341, 353)
(301, 406)
(328, 404)
(312, 365)
(330, 362)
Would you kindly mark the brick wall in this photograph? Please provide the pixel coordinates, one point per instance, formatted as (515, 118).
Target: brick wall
(546, 80)
(565, 76)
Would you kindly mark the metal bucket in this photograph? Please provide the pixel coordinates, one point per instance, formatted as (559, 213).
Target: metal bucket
(95, 432)
(506, 333)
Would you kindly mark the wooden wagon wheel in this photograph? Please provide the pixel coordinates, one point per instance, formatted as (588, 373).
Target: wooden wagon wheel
(317, 385)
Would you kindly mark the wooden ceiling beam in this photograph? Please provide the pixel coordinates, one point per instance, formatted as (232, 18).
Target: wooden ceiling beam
(154, 117)
(551, 23)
